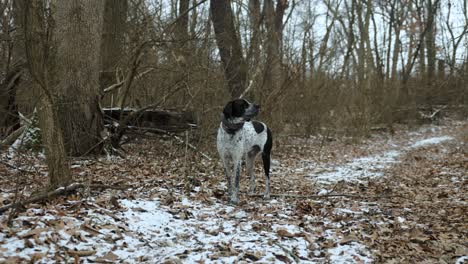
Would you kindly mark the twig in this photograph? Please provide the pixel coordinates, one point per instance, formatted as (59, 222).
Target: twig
(57, 192)
(14, 167)
(120, 83)
(297, 196)
(174, 136)
(251, 83)
(289, 252)
(81, 253)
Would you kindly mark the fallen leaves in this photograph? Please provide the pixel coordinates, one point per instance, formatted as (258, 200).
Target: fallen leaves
(429, 226)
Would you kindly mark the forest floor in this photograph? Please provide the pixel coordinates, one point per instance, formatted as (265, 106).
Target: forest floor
(391, 198)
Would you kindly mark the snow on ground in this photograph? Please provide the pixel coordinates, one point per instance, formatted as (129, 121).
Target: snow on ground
(363, 168)
(190, 231)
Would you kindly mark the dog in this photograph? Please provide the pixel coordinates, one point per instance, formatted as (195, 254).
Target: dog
(240, 138)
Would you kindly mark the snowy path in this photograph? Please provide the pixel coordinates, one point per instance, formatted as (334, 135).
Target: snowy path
(371, 166)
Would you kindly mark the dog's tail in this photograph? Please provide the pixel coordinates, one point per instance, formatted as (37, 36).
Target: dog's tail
(266, 153)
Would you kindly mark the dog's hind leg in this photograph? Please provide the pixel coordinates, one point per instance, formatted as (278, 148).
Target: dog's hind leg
(249, 162)
(266, 167)
(266, 163)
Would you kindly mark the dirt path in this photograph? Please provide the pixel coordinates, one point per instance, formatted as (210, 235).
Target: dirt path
(419, 177)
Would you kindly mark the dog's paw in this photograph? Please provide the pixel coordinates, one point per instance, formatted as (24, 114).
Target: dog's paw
(266, 195)
(252, 191)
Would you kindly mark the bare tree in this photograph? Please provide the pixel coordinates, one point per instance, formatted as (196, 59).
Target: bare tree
(455, 41)
(113, 35)
(273, 43)
(431, 10)
(13, 66)
(229, 45)
(76, 73)
(37, 48)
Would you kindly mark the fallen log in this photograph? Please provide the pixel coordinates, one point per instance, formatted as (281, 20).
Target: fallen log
(58, 192)
(167, 120)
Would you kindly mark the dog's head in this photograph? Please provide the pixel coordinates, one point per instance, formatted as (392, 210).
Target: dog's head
(240, 111)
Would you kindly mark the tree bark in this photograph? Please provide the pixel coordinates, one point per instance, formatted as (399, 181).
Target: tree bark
(112, 45)
(78, 36)
(229, 45)
(37, 47)
(274, 27)
(430, 40)
(9, 118)
(255, 23)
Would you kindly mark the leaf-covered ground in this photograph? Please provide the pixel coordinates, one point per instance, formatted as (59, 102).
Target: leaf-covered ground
(403, 201)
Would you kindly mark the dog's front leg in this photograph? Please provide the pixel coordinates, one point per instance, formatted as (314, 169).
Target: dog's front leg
(235, 184)
(228, 173)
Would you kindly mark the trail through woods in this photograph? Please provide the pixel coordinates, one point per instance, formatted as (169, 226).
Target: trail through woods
(406, 203)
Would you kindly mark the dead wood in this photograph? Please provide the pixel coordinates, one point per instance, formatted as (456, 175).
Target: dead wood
(58, 192)
(162, 131)
(10, 139)
(81, 253)
(297, 196)
(167, 120)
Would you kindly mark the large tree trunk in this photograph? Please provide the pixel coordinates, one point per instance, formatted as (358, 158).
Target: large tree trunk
(9, 119)
(229, 45)
(274, 25)
(78, 35)
(113, 29)
(255, 22)
(37, 46)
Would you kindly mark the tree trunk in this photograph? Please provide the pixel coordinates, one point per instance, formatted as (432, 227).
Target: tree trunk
(52, 137)
(350, 42)
(229, 45)
(430, 40)
(274, 26)
(115, 16)
(9, 118)
(182, 33)
(422, 47)
(255, 23)
(78, 35)
(37, 47)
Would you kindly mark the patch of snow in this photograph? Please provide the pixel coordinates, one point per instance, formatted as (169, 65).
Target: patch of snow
(322, 192)
(146, 231)
(462, 260)
(370, 166)
(350, 253)
(431, 141)
(365, 167)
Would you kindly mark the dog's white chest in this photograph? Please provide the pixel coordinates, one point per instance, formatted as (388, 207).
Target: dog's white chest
(230, 144)
(241, 142)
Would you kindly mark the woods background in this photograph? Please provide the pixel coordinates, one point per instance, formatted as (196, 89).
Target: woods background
(328, 66)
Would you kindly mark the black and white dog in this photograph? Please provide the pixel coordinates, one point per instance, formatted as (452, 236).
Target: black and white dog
(238, 138)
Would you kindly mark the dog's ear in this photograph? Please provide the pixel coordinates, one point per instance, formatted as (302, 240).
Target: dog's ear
(228, 109)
